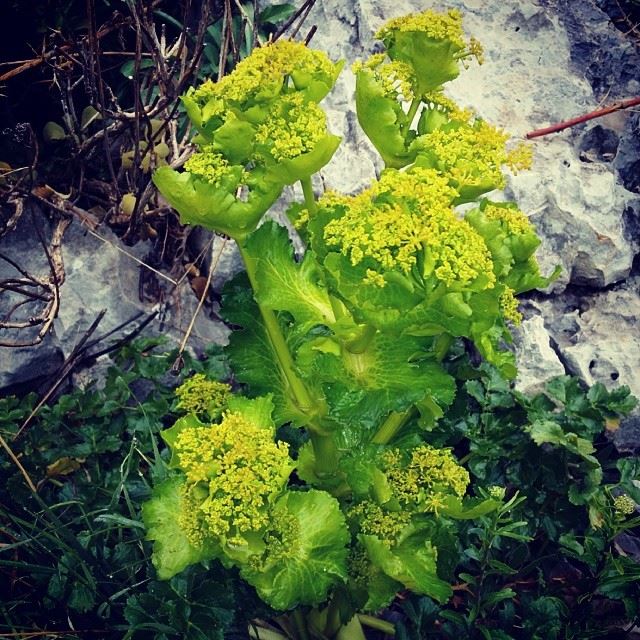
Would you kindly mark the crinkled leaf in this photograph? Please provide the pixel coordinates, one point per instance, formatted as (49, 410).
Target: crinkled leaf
(433, 61)
(216, 207)
(170, 435)
(257, 411)
(317, 559)
(234, 140)
(283, 284)
(390, 374)
(172, 551)
(383, 120)
(412, 563)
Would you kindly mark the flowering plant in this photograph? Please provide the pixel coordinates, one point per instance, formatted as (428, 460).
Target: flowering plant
(358, 345)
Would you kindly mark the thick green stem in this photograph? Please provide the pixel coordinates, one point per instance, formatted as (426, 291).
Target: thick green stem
(326, 453)
(351, 631)
(299, 391)
(325, 449)
(360, 344)
(300, 624)
(309, 198)
(390, 427)
(376, 623)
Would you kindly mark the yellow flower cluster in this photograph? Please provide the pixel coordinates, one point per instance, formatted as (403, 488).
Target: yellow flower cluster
(265, 67)
(515, 221)
(402, 214)
(509, 306)
(624, 505)
(396, 78)
(208, 165)
(243, 468)
(293, 127)
(429, 471)
(191, 519)
(375, 521)
(438, 101)
(199, 395)
(470, 154)
(280, 540)
(519, 158)
(437, 26)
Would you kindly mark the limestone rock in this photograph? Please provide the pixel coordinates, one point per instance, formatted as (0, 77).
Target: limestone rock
(536, 359)
(597, 336)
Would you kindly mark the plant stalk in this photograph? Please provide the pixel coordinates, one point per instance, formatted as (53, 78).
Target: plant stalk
(390, 427)
(299, 391)
(323, 444)
(375, 623)
(309, 198)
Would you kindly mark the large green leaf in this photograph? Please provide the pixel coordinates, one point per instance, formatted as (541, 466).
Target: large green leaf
(290, 170)
(170, 435)
(172, 551)
(216, 207)
(412, 563)
(316, 559)
(433, 61)
(391, 373)
(283, 284)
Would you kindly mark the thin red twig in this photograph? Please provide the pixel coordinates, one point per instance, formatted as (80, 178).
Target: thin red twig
(598, 113)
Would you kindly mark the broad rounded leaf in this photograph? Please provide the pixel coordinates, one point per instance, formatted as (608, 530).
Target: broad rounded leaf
(317, 559)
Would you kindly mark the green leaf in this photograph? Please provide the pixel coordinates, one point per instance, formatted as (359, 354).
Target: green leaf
(53, 131)
(433, 61)
(469, 509)
(383, 120)
(316, 559)
(128, 69)
(547, 431)
(170, 435)
(283, 284)
(290, 170)
(412, 563)
(216, 207)
(172, 551)
(234, 140)
(276, 13)
(258, 411)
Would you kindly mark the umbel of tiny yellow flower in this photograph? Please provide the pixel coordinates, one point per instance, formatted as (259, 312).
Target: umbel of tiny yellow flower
(370, 518)
(259, 128)
(234, 470)
(471, 155)
(429, 472)
(432, 43)
(203, 397)
(270, 70)
(404, 216)
(396, 78)
(624, 505)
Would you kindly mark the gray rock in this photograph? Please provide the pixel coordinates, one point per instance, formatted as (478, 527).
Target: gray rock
(597, 335)
(21, 365)
(100, 275)
(627, 436)
(537, 361)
